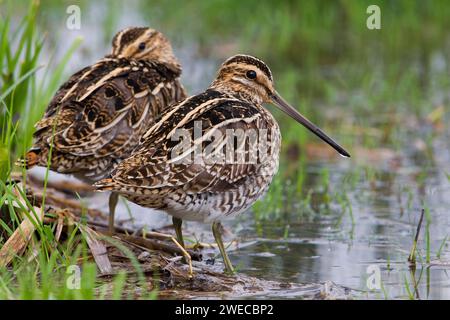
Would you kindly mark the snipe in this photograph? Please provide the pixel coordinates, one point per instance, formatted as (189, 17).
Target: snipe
(97, 117)
(203, 180)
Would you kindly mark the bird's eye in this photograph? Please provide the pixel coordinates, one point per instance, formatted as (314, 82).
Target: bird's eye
(251, 74)
(142, 46)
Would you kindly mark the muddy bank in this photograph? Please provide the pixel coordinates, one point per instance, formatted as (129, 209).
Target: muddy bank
(152, 259)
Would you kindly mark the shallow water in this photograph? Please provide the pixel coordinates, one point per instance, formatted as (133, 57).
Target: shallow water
(379, 239)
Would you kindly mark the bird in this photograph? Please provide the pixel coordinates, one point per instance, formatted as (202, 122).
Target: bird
(97, 117)
(202, 181)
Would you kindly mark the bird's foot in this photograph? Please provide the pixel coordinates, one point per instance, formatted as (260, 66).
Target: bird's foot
(186, 255)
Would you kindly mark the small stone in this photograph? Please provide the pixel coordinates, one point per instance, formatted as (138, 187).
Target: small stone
(144, 256)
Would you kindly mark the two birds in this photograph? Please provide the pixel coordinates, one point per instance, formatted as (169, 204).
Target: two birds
(118, 124)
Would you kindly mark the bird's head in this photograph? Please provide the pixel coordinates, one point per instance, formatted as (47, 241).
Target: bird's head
(144, 44)
(247, 77)
(250, 79)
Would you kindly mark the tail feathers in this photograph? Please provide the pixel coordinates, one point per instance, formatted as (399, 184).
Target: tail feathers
(105, 185)
(31, 159)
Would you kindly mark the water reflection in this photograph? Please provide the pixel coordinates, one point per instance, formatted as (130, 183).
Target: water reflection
(382, 236)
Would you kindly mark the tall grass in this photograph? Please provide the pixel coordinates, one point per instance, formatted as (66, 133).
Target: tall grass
(24, 94)
(41, 271)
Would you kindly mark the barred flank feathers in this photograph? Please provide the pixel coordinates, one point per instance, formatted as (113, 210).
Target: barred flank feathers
(104, 185)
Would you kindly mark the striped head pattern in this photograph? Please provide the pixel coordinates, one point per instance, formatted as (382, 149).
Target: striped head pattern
(248, 77)
(142, 43)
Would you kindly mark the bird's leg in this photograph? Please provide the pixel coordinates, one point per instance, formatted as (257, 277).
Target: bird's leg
(216, 229)
(113, 198)
(186, 254)
(177, 222)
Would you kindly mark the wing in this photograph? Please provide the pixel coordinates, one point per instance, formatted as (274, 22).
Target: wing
(210, 123)
(106, 110)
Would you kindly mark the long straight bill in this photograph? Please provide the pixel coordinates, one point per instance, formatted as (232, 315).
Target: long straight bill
(283, 105)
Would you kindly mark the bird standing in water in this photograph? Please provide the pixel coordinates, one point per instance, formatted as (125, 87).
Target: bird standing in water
(217, 184)
(97, 117)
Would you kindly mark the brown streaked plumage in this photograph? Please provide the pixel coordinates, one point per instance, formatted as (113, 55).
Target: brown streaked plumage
(210, 189)
(97, 117)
